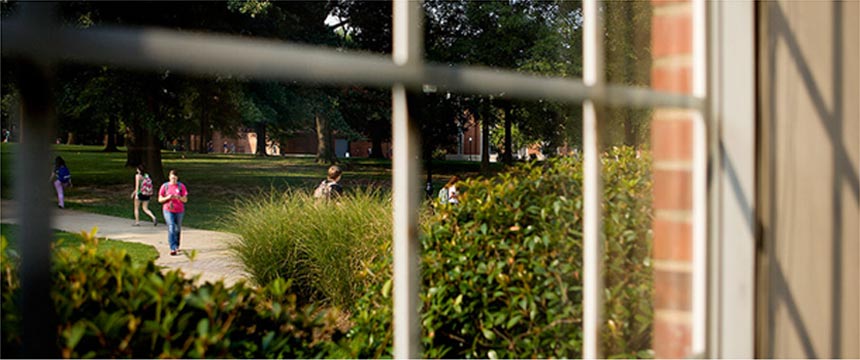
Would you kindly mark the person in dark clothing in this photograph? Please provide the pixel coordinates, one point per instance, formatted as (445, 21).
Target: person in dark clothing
(61, 178)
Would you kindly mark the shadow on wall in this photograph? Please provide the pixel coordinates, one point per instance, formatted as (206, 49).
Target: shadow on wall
(832, 120)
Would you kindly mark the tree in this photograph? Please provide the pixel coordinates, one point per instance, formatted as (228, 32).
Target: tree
(154, 105)
(530, 36)
(216, 107)
(368, 111)
(628, 61)
(366, 25)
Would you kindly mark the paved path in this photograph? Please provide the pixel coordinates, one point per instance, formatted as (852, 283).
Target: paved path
(213, 261)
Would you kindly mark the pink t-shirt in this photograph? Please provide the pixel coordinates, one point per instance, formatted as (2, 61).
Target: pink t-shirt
(173, 205)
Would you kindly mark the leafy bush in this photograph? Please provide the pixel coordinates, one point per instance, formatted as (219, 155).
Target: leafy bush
(502, 270)
(109, 307)
(321, 246)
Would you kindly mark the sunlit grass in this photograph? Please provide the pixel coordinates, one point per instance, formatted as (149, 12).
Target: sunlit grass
(103, 184)
(64, 241)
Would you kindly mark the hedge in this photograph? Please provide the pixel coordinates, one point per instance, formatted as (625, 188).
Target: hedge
(501, 271)
(108, 307)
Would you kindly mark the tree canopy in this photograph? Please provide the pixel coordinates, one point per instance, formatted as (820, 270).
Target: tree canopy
(144, 110)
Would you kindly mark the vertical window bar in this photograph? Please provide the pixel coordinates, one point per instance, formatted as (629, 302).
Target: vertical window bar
(699, 182)
(593, 233)
(407, 52)
(33, 157)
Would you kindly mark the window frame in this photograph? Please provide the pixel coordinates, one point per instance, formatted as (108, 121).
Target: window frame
(720, 83)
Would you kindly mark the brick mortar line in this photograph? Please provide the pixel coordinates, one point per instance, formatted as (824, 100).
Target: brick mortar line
(674, 9)
(674, 316)
(673, 266)
(672, 115)
(683, 216)
(673, 60)
(673, 165)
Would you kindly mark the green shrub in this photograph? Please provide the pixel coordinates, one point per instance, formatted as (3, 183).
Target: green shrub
(502, 271)
(109, 307)
(321, 246)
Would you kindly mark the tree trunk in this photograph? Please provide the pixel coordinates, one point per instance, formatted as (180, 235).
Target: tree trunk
(325, 148)
(508, 157)
(203, 141)
(631, 135)
(152, 157)
(485, 139)
(144, 147)
(111, 135)
(134, 146)
(260, 129)
(376, 137)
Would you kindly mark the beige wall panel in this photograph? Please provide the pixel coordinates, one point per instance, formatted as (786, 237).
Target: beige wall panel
(810, 197)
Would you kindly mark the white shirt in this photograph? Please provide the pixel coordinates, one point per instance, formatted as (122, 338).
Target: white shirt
(453, 195)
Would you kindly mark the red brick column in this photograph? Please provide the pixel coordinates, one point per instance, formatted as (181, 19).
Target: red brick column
(671, 141)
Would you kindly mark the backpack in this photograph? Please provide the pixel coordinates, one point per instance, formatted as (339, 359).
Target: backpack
(323, 191)
(146, 185)
(64, 175)
(443, 195)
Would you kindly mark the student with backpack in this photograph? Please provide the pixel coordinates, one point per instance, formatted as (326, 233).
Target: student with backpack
(173, 195)
(448, 193)
(142, 194)
(62, 179)
(329, 188)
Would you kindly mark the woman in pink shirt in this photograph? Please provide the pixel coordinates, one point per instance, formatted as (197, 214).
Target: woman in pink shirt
(173, 195)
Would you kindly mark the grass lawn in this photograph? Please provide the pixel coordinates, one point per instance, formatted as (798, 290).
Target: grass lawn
(140, 253)
(102, 183)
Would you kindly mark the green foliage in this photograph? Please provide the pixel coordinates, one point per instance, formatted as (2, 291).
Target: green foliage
(321, 246)
(502, 270)
(371, 333)
(250, 7)
(110, 307)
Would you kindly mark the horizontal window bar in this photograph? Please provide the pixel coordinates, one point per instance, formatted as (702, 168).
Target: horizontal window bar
(209, 54)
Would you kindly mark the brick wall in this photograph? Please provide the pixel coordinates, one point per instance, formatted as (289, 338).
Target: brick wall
(671, 139)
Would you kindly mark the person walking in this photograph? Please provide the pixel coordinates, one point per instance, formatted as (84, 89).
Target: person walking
(449, 193)
(62, 179)
(173, 195)
(142, 194)
(329, 188)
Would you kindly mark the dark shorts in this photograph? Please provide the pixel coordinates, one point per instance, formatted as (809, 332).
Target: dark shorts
(142, 197)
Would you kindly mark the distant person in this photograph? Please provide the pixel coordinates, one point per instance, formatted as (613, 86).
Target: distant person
(209, 147)
(142, 194)
(330, 188)
(62, 179)
(448, 193)
(428, 189)
(225, 147)
(173, 195)
(232, 148)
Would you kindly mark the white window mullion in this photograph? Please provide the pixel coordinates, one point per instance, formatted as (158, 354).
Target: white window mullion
(593, 231)
(407, 52)
(700, 151)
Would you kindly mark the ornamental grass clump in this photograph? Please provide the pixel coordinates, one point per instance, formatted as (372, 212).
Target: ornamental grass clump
(321, 246)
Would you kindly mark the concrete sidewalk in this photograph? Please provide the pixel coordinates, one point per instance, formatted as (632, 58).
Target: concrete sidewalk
(213, 261)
